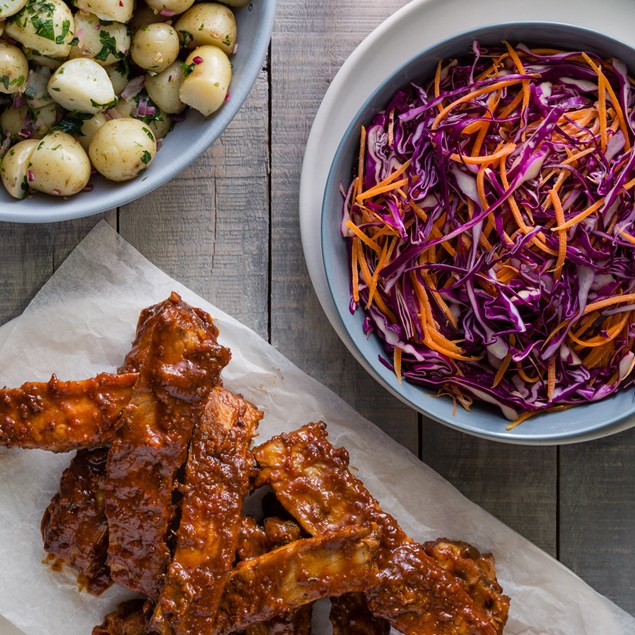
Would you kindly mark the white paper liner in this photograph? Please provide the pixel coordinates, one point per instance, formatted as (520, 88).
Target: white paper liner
(82, 322)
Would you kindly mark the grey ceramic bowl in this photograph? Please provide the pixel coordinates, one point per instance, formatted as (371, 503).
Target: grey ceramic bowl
(577, 424)
(188, 140)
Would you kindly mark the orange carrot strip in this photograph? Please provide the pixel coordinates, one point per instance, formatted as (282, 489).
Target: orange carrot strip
(355, 271)
(502, 369)
(511, 107)
(385, 256)
(629, 237)
(520, 419)
(601, 304)
(562, 235)
(476, 93)
(600, 340)
(614, 100)
(602, 109)
(387, 180)
(486, 159)
(551, 377)
(362, 236)
(579, 217)
(525, 377)
(381, 305)
(397, 362)
(375, 191)
(521, 69)
(437, 85)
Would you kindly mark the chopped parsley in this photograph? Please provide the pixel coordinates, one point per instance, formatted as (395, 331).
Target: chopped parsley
(72, 123)
(187, 38)
(108, 46)
(186, 69)
(146, 157)
(110, 104)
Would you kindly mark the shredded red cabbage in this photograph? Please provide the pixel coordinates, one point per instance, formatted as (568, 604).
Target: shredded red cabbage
(498, 264)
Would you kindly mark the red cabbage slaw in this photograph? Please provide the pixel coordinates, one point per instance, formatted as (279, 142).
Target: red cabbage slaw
(490, 229)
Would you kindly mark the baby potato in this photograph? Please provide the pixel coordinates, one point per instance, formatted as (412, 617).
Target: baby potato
(111, 10)
(59, 165)
(11, 7)
(46, 27)
(15, 167)
(144, 15)
(119, 77)
(206, 78)
(36, 92)
(23, 121)
(164, 89)
(89, 128)
(82, 85)
(169, 8)
(155, 46)
(105, 43)
(14, 69)
(208, 23)
(122, 148)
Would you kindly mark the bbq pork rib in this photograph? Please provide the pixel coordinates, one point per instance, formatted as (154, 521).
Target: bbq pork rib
(60, 416)
(217, 474)
(255, 540)
(291, 576)
(412, 591)
(153, 501)
(179, 360)
(74, 526)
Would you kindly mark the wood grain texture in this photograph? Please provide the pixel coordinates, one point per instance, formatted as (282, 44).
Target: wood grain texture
(209, 227)
(29, 254)
(518, 485)
(311, 41)
(597, 515)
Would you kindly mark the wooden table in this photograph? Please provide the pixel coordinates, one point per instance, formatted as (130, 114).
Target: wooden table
(228, 228)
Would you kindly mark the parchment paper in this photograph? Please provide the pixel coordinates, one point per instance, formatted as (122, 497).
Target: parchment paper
(82, 322)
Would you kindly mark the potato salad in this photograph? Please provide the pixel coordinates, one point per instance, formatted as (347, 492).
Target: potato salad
(96, 84)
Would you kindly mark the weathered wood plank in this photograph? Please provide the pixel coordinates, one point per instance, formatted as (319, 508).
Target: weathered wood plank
(209, 227)
(516, 484)
(310, 42)
(29, 254)
(597, 515)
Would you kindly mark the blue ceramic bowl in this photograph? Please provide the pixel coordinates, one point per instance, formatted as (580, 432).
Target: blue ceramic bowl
(186, 142)
(577, 424)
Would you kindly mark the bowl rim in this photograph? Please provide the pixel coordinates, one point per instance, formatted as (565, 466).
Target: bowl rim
(61, 209)
(386, 377)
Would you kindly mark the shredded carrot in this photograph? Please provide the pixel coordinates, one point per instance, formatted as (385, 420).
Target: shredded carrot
(363, 237)
(397, 362)
(381, 190)
(602, 110)
(562, 235)
(520, 419)
(355, 271)
(579, 217)
(437, 84)
(602, 304)
(502, 369)
(484, 160)
(481, 91)
(629, 237)
(616, 103)
(551, 377)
